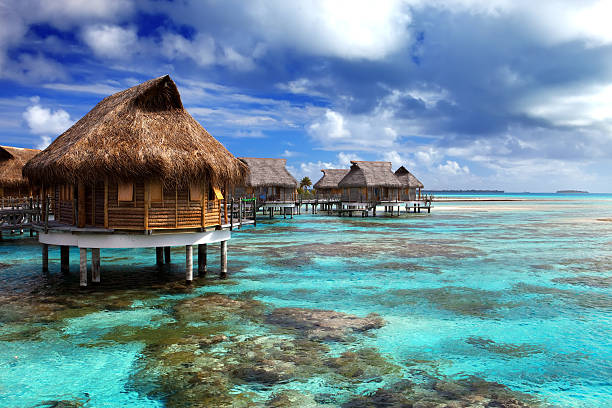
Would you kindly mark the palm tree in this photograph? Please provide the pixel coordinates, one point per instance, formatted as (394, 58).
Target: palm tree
(305, 182)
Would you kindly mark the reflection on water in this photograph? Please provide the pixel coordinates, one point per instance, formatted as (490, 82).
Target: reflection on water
(478, 304)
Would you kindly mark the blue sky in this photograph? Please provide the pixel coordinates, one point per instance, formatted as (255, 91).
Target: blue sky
(503, 94)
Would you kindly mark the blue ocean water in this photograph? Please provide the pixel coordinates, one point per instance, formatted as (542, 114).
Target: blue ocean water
(510, 292)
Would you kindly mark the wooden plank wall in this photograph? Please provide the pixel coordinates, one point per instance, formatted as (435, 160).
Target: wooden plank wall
(126, 215)
(175, 211)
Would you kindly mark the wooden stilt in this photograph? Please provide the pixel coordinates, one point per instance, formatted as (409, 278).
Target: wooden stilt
(167, 255)
(223, 273)
(65, 258)
(202, 264)
(159, 256)
(83, 266)
(45, 258)
(188, 263)
(95, 265)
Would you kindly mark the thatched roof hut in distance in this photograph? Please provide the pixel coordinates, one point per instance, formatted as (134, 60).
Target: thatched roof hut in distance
(411, 185)
(370, 181)
(328, 184)
(12, 160)
(269, 179)
(137, 161)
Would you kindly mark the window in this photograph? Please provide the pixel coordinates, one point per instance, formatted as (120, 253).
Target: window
(125, 191)
(195, 192)
(156, 191)
(218, 194)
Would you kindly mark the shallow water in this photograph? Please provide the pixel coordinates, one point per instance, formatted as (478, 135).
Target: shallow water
(512, 293)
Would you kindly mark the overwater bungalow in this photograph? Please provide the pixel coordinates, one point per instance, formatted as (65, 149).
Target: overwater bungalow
(411, 186)
(327, 186)
(12, 182)
(270, 182)
(136, 171)
(370, 181)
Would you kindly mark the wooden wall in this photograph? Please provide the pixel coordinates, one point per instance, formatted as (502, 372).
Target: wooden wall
(175, 211)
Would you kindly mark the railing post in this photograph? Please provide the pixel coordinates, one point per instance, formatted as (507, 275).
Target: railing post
(231, 214)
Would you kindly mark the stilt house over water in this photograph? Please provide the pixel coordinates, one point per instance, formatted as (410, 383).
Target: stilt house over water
(269, 181)
(12, 182)
(327, 187)
(136, 171)
(370, 181)
(411, 190)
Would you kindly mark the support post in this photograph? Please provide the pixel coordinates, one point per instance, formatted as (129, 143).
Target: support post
(188, 263)
(167, 255)
(223, 273)
(83, 266)
(202, 265)
(159, 256)
(45, 258)
(254, 211)
(231, 214)
(95, 265)
(64, 258)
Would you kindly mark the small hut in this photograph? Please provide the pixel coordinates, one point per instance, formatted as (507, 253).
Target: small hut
(12, 182)
(136, 171)
(411, 190)
(370, 181)
(269, 180)
(327, 187)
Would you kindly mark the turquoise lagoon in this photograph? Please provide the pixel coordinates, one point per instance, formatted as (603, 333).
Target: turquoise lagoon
(516, 293)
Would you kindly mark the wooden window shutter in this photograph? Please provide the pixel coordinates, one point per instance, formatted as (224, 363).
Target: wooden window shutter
(156, 191)
(218, 194)
(125, 191)
(195, 192)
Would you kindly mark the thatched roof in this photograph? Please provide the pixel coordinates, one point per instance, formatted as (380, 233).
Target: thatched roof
(141, 132)
(407, 178)
(268, 173)
(331, 178)
(12, 160)
(370, 174)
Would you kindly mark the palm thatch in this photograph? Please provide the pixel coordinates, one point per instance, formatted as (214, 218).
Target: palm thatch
(12, 160)
(141, 132)
(407, 178)
(370, 174)
(268, 173)
(331, 178)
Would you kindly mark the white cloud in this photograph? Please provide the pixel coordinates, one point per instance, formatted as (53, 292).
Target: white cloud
(201, 49)
(63, 13)
(44, 121)
(43, 142)
(452, 167)
(572, 106)
(289, 153)
(98, 89)
(353, 29)
(251, 134)
(313, 169)
(204, 51)
(330, 128)
(111, 41)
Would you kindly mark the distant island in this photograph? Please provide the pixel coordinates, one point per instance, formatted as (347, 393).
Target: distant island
(466, 191)
(572, 192)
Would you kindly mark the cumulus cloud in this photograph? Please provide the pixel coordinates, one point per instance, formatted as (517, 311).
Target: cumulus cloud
(313, 169)
(345, 29)
(45, 122)
(452, 167)
(111, 41)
